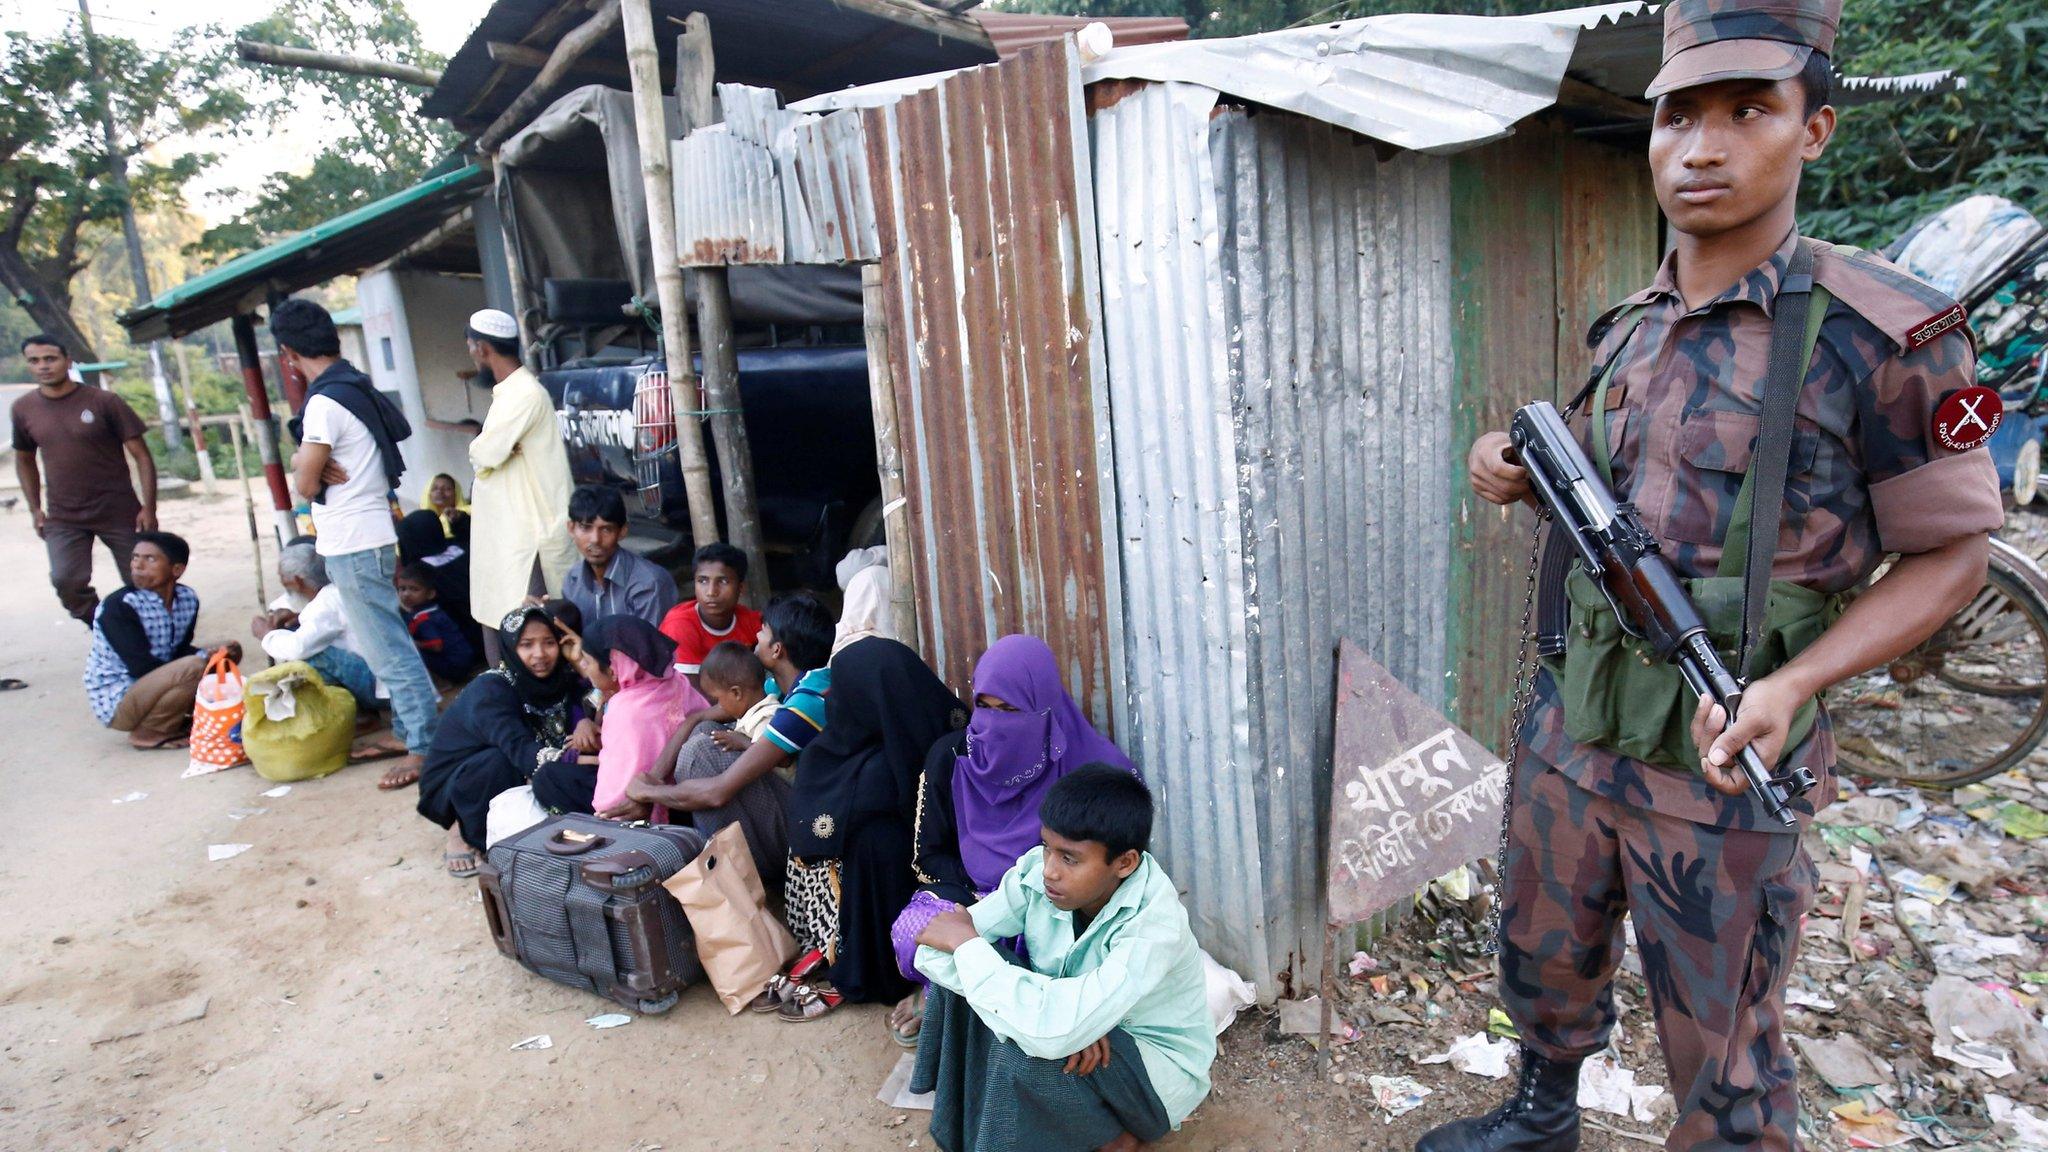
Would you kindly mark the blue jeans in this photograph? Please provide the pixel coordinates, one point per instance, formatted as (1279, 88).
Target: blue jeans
(344, 669)
(364, 579)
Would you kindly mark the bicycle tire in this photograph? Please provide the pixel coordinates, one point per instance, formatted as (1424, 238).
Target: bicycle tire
(2026, 597)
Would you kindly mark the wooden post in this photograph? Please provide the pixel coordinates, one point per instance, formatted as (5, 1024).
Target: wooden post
(286, 56)
(206, 476)
(570, 47)
(643, 60)
(696, 99)
(249, 502)
(889, 457)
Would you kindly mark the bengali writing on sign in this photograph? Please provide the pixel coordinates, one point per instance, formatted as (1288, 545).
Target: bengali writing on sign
(1413, 796)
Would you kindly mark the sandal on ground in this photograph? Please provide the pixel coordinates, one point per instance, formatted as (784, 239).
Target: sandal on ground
(461, 865)
(397, 778)
(905, 1036)
(812, 1002)
(365, 753)
(777, 992)
(10, 684)
(806, 964)
(167, 744)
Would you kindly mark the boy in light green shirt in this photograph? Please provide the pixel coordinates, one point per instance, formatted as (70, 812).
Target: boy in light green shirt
(1104, 1041)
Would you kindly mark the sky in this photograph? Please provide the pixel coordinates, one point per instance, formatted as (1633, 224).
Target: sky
(444, 23)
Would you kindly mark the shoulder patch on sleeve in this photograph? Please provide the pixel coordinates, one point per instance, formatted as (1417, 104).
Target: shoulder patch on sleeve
(1910, 312)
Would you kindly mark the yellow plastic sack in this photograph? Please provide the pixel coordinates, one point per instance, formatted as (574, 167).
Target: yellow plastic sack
(297, 726)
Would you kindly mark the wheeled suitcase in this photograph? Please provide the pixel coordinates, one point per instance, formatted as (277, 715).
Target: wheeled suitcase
(579, 900)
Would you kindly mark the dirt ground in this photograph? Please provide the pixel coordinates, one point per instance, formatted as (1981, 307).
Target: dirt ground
(351, 997)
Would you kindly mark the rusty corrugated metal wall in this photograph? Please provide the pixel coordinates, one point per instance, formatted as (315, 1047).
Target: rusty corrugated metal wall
(1550, 229)
(987, 237)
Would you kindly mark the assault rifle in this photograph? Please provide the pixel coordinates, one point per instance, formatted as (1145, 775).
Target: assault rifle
(1623, 559)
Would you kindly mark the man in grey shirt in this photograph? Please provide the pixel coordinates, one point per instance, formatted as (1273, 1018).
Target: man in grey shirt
(611, 580)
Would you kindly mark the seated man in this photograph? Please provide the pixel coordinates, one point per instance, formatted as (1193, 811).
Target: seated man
(609, 579)
(1108, 1028)
(318, 634)
(142, 673)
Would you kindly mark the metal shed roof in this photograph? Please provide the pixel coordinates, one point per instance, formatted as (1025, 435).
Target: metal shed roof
(799, 46)
(348, 243)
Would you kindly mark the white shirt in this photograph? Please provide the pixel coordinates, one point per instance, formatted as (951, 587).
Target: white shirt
(322, 624)
(356, 515)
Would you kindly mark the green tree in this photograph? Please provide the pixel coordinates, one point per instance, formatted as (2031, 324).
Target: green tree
(54, 161)
(1895, 162)
(381, 143)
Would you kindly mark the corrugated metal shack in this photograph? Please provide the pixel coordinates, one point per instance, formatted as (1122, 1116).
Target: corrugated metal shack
(1185, 349)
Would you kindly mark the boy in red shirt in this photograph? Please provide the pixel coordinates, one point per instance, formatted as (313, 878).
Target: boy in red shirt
(716, 615)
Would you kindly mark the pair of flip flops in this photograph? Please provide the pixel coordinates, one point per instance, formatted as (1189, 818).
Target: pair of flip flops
(793, 997)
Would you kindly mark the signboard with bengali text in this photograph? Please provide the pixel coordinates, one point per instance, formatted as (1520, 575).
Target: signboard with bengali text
(1412, 796)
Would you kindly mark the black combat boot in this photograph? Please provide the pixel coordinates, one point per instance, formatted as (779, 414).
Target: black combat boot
(1542, 1115)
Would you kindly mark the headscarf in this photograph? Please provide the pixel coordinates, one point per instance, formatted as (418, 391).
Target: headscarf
(883, 714)
(650, 705)
(867, 611)
(427, 501)
(447, 563)
(1013, 758)
(541, 696)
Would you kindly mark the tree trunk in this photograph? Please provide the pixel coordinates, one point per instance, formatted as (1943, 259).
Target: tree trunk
(49, 309)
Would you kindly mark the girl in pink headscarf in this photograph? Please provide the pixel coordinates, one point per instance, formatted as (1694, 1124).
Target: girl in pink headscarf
(648, 700)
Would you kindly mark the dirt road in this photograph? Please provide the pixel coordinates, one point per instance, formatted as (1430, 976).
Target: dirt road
(351, 996)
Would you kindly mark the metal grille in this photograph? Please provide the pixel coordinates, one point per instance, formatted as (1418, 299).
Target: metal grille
(654, 435)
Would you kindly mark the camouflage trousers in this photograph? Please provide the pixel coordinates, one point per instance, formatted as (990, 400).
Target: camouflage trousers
(1716, 916)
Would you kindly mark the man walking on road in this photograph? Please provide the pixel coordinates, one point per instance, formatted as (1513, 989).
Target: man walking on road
(80, 433)
(346, 466)
(520, 543)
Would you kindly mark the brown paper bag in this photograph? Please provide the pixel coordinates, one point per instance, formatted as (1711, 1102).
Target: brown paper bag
(740, 942)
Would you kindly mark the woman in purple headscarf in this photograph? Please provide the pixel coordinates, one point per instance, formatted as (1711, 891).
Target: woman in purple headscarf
(977, 801)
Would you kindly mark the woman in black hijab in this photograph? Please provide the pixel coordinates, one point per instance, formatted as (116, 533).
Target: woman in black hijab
(522, 722)
(851, 814)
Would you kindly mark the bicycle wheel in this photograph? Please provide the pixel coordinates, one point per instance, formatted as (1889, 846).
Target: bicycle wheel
(1969, 703)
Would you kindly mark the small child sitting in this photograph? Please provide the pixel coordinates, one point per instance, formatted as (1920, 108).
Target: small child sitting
(443, 647)
(735, 682)
(1110, 1038)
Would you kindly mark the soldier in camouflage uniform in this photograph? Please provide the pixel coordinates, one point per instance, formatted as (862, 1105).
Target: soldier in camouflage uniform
(1716, 889)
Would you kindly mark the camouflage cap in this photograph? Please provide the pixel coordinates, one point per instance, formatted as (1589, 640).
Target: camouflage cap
(1706, 41)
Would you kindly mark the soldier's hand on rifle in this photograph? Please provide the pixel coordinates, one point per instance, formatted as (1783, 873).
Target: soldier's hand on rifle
(1492, 477)
(1766, 720)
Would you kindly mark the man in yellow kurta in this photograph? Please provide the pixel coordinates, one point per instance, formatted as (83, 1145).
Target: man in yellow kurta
(519, 529)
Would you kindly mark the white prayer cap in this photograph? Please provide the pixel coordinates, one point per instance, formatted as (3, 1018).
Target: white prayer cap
(493, 323)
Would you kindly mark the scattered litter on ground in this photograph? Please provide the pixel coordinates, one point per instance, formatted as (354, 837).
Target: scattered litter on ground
(1981, 1017)
(2017, 1120)
(1305, 1018)
(895, 1090)
(609, 1020)
(1475, 1054)
(276, 792)
(245, 813)
(1842, 1061)
(1396, 1095)
(131, 797)
(1862, 1126)
(1606, 1086)
(219, 852)
(1361, 964)
(1497, 1022)
(534, 1043)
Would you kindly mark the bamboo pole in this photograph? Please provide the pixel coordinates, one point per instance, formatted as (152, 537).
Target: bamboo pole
(696, 100)
(571, 46)
(248, 501)
(650, 123)
(286, 56)
(889, 457)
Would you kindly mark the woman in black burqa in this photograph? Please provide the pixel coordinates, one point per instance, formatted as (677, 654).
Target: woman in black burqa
(522, 722)
(851, 813)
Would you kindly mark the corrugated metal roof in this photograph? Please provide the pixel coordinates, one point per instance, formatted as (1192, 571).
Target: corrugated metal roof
(797, 45)
(348, 243)
(986, 233)
(1012, 32)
